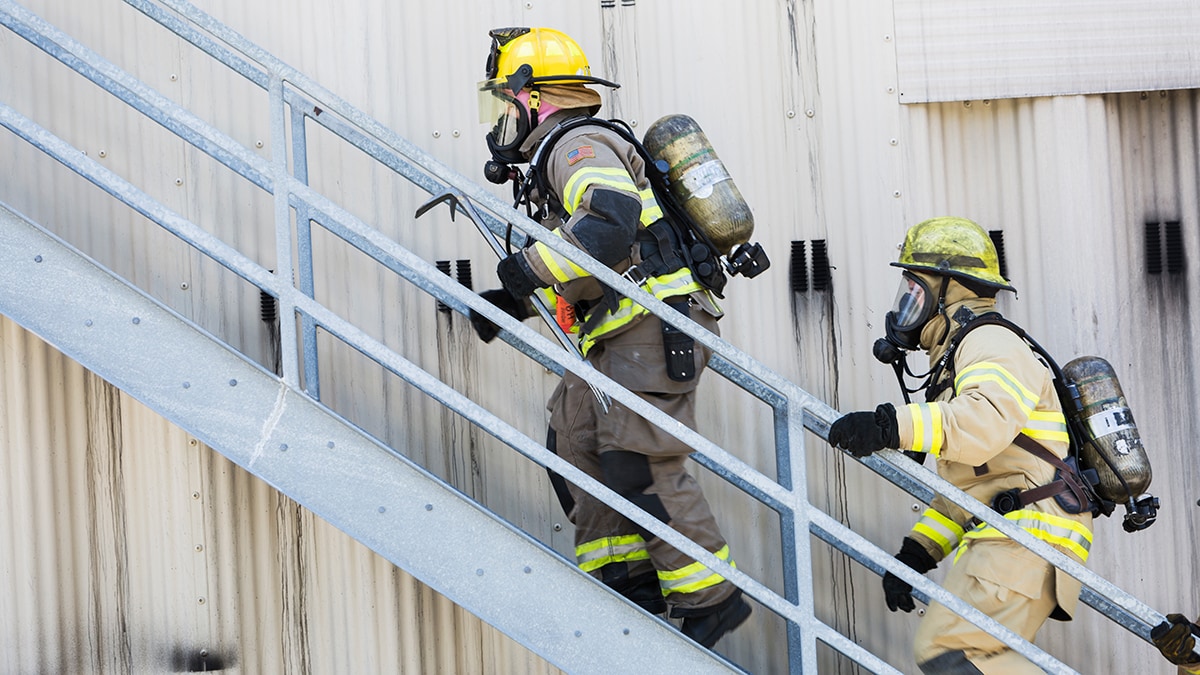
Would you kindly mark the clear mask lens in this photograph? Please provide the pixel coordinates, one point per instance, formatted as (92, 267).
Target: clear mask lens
(913, 301)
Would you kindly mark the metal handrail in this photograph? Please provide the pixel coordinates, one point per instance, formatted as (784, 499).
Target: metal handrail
(794, 408)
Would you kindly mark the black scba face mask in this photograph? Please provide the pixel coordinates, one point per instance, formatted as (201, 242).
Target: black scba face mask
(915, 305)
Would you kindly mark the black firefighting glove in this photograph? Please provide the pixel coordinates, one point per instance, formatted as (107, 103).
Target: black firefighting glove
(865, 432)
(516, 275)
(516, 308)
(899, 591)
(1176, 639)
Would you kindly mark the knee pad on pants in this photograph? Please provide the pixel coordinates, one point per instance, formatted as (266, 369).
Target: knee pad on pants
(628, 474)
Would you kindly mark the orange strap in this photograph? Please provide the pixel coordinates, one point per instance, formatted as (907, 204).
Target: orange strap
(564, 314)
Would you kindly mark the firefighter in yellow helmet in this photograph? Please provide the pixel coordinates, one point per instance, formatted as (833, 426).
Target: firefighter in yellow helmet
(1177, 639)
(588, 184)
(991, 404)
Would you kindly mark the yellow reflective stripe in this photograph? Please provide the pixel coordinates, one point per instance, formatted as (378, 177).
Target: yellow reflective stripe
(651, 212)
(561, 267)
(581, 180)
(547, 295)
(985, 371)
(940, 529)
(670, 285)
(1065, 533)
(1047, 425)
(693, 577)
(927, 432)
(597, 553)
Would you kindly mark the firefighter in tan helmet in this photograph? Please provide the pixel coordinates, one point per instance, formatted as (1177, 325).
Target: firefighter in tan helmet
(588, 184)
(991, 400)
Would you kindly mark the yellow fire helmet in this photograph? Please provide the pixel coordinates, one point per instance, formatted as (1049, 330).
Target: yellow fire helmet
(954, 247)
(552, 57)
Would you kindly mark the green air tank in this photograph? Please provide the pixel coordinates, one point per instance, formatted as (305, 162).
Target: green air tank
(1113, 447)
(700, 182)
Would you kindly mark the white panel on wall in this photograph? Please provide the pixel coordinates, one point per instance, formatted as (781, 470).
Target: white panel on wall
(951, 50)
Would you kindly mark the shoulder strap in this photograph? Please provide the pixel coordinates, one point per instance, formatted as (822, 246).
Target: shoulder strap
(969, 322)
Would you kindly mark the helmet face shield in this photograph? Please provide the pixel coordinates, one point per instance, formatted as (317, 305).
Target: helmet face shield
(508, 118)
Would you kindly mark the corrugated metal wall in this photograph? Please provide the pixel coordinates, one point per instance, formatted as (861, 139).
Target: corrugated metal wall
(800, 99)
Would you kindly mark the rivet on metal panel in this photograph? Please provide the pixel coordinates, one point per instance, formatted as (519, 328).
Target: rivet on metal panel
(437, 134)
(1162, 94)
(578, 633)
(178, 182)
(258, 144)
(329, 445)
(1144, 96)
(894, 141)
(987, 101)
(233, 383)
(183, 285)
(916, 508)
(192, 442)
(896, 193)
(103, 154)
(283, 447)
(966, 104)
(200, 600)
(633, 123)
(887, 38)
(37, 258)
(203, 653)
(810, 112)
(558, 527)
(791, 114)
(624, 631)
(199, 548)
(195, 495)
(528, 569)
(187, 385)
(478, 573)
(429, 507)
(921, 611)
(88, 323)
(456, 133)
(383, 509)
(136, 320)
(891, 90)
(529, 5)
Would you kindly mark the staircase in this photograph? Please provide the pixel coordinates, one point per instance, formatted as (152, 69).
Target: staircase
(275, 426)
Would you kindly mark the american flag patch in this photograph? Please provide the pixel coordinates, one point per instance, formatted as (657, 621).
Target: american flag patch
(582, 152)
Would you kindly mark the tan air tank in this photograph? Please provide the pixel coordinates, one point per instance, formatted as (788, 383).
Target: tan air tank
(1114, 446)
(700, 182)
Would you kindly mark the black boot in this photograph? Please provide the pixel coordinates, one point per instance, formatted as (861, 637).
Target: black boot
(711, 626)
(647, 594)
(644, 589)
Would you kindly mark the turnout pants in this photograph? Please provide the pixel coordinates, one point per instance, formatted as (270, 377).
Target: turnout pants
(1007, 582)
(642, 463)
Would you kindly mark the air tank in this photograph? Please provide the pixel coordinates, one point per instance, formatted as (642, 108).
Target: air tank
(700, 182)
(1114, 447)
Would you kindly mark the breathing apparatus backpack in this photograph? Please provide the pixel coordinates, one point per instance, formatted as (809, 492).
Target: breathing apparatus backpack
(1105, 465)
(706, 221)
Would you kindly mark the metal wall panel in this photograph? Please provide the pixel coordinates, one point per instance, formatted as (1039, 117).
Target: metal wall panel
(132, 548)
(802, 101)
(958, 51)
